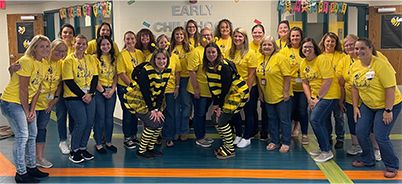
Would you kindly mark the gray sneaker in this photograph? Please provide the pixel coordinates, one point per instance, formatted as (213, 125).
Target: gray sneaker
(44, 163)
(354, 150)
(210, 141)
(203, 142)
(377, 155)
(324, 156)
(315, 153)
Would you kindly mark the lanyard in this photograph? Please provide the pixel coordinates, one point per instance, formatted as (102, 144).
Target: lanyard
(85, 70)
(134, 62)
(109, 70)
(265, 65)
(51, 72)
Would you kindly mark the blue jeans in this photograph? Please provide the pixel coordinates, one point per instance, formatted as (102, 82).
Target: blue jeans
(371, 119)
(104, 118)
(351, 121)
(84, 115)
(339, 124)
(299, 110)
(183, 109)
(317, 119)
(249, 110)
(280, 118)
(25, 135)
(168, 131)
(42, 119)
(201, 106)
(61, 114)
(130, 121)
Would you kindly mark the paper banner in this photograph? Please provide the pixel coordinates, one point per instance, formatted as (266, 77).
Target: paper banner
(288, 6)
(69, 12)
(104, 8)
(314, 6)
(297, 6)
(79, 11)
(320, 6)
(75, 11)
(331, 7)
(304, 6)
(64, 13)
(99, 8)
(281, 6)
(109, 8)
(325, 8)
(95, 9)
(88, 10)
(84, 10)
(336, 8)
(344, 7)
(72, 12)
(61, 13)
(309, 6)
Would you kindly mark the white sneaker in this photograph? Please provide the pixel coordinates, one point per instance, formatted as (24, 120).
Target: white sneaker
(44, 163)
(244, 143)
(377, 155)
(354, 150)
(237, 140)
(315, 153)
(323, 157)
(64, 148)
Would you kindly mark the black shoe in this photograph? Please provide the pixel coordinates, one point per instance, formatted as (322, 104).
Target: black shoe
(146, 155)
(76, 157)
(191, 124)
(136, 141)
(339, 144)
(101, 151)
(331, 142)
(129, 144)
(25, 178)
(86, 155)
(253, 134)
(35, 172)
(111, 148)
(155, 152)
(263, 135)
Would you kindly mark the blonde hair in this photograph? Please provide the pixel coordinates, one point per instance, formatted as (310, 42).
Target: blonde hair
(244, 48)
(56, 43)
(270, 39)
(34, 43)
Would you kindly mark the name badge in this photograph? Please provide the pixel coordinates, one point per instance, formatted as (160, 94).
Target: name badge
(370, 75)
(50, 96)
(263, 81)
(85, 89)
(299, 80)
(108, 88)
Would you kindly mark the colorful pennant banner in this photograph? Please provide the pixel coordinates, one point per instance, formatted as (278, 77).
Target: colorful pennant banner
(311, 6)
(99, 8)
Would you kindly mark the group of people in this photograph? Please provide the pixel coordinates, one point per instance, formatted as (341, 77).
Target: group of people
(162, 82)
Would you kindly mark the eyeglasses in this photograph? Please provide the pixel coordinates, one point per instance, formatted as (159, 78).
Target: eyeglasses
(349, 45)
(308, 47)
(61, 51)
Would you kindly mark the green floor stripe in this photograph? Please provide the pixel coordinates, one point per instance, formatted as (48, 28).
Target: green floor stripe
(329, 168)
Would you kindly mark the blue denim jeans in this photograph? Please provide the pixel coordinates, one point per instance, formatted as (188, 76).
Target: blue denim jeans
(371, 119)
(299, 110)
(104, 118)
(61, 114)
(351, 121)
(317, 119)
(169, 128)
(84, 115)
(249, 111)
(25, 135)
(201, 106)
(279, 118)
(130, 121)
(183, 109)
(42, 119)
(339, 124)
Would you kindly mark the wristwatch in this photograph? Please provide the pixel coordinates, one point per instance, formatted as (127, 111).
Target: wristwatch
(318, 97)
(388, 110)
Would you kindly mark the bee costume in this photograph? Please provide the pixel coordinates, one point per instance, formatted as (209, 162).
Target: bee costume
(230, 92)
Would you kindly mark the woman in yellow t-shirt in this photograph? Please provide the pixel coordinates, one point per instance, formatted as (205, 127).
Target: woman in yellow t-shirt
(322, 91)
(274, 89)
(103, 30)
(126, 61)
(180, 47)
(67, 33)
(331, 47)
(105, 97)
(145, 39)
(374, 82)
(283, 32)
(246, 63)
(192, 33)
(18, 106)
(299, 104)
(224, 32)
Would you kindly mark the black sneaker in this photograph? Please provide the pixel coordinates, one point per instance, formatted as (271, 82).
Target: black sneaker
(155, 152)
(129, 144)
(111, 148)
(25, 178)
(331, 142)
(339, 144)
(136, 141)
(101, 151)
(35, 172)
(75, 157)
(86, 155)
(263, 135)
(191, 124)
(253, 133)
(146, 155)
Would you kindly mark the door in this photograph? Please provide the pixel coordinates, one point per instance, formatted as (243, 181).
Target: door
(20, 32)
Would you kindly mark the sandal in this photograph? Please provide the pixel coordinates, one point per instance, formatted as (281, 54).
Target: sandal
(284, 148)
(169, 144)
(390, 173)
(295, 133)
(360, 164)
(271, 146)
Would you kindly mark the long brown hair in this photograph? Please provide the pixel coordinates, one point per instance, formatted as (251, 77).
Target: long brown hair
(185, 43)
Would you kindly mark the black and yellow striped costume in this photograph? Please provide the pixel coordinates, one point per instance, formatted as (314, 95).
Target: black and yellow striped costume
(147, 94)
(230, 92)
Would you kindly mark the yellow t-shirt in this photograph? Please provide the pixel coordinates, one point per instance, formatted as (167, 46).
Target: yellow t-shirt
(146, 53)
(81, 71)
(343, 70)
(294, 59)
(315, 71)
(125, 63)
(280, 44)
(106, 71)
(29, 68)
(335, 57)
(254, 47)
(92, 48)
(183, 57)
(51, 80)
(70, 50)
(224, 45)
(176, 67)
(195, 64)
(273, 70)
(372, 92)
(249, 61)
(191, 41)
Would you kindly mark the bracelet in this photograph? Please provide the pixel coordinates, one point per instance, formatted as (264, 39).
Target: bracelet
(103, 91)
(56, 96)
(177, 86)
